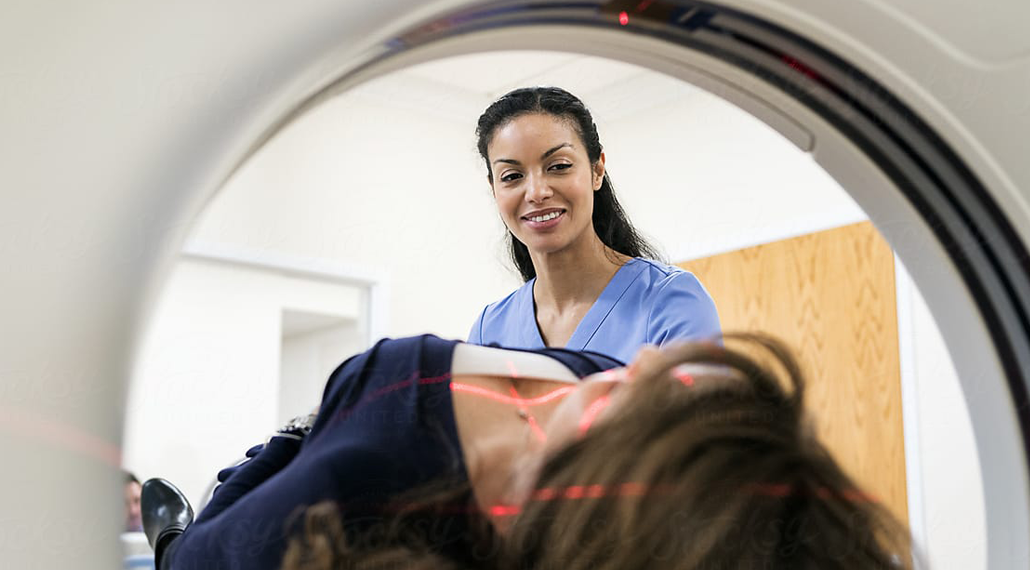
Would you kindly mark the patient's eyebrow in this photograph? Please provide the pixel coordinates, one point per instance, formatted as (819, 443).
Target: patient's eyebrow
(543, 156)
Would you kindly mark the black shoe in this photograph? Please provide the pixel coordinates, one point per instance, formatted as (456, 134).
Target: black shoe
(166, 514)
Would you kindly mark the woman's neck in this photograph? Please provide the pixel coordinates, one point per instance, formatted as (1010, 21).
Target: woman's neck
(574, 275)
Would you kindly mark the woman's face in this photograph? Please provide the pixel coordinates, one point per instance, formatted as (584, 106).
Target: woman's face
(543, 182)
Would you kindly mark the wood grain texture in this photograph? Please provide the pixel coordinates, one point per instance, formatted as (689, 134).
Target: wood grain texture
(830, 295)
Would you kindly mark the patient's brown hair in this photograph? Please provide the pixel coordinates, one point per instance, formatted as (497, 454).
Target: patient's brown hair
(323, 545)
(723, 474)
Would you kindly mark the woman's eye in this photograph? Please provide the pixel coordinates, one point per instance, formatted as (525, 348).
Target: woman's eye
(511, 177)
(561, 166)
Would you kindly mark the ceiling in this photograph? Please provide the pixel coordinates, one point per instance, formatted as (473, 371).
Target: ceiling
(459, 87)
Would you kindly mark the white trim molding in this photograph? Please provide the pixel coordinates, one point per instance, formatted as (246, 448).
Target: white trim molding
(375, 281)
(910, 406)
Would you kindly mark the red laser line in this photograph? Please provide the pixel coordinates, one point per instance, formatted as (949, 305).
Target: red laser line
(533, 426)
(633, 489)
(588, 417)
(537, 431)
(517, 400)
(59, 434)
(504, 510)
(405, 383)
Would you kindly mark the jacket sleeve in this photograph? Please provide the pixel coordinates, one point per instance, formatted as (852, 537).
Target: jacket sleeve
(245, 525)
(264, 461)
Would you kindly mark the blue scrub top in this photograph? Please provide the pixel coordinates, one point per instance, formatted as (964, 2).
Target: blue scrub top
(646, 302)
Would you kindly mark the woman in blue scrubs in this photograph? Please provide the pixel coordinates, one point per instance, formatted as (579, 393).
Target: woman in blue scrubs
(590, 280)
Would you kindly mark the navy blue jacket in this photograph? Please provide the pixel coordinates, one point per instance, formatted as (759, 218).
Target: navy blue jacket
(385, 427)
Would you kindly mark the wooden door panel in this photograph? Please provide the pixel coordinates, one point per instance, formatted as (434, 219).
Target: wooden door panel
(830, 296)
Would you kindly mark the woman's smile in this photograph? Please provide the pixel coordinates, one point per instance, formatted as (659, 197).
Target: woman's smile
(544, 219)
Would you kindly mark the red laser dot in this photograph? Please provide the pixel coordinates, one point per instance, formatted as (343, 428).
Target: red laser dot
(545, 494)
(574, 492)
(683, 376)
(798, 66)
(504, 510)
(623, 18)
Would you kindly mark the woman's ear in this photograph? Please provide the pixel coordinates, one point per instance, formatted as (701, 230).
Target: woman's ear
(598, 177)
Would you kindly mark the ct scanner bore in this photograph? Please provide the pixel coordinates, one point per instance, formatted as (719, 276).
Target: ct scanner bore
(941, 182)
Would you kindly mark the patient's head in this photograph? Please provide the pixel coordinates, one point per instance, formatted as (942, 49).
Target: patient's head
(707, 465)
(697, 458)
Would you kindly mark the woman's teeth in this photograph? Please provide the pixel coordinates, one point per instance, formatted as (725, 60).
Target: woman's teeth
(545, 217)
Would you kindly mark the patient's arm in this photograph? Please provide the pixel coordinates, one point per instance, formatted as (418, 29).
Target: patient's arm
(244, 524)
(265, 461)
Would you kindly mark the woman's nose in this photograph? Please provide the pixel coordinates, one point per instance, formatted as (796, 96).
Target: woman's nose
(538, 189)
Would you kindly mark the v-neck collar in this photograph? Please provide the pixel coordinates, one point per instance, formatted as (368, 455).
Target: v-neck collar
(587, 327)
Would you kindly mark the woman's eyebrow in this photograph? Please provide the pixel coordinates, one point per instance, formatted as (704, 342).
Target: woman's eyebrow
(554, 150)
(543, 156)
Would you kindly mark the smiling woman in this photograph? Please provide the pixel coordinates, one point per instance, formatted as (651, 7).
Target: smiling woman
(589, 282)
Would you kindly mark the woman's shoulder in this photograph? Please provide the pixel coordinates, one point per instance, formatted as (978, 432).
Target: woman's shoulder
(678, 304)
(662, 275)
(505, 305)
(494, 323)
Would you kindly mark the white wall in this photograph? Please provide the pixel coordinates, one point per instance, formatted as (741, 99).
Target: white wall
(207, 380)
(950, 505)
(390, 189)
(386, 178)
(308, 356)
(703, 177)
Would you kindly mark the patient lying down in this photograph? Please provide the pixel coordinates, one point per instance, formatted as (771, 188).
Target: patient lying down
(434, 454)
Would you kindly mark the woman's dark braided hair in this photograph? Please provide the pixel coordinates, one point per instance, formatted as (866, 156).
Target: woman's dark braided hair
(610, 221)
